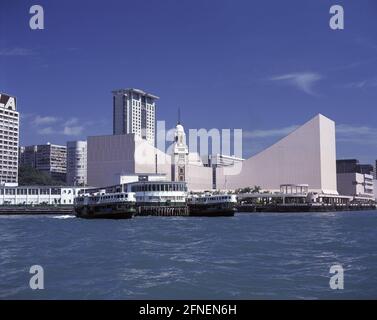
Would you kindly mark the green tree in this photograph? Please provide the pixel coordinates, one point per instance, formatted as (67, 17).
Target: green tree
(29, 176)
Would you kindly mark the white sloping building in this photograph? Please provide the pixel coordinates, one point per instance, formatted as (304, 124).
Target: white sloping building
(112, 156)
(305, 156)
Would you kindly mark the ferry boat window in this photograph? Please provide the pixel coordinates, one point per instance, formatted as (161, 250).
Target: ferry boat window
(44, 191)
(55, 191)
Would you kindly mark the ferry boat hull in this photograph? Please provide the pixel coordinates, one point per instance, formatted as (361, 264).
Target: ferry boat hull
(218, 205)
(106, 211)
(205, 210)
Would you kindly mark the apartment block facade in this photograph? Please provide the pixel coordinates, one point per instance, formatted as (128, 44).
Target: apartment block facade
(134, 111)
(48, 158)
(9, 139)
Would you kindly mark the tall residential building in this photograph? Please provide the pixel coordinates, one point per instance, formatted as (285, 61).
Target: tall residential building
(134, 111)
(48, 158)
(9, 139)
(77, 163)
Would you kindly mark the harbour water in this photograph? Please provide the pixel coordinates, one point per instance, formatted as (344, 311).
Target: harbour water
(248, 256)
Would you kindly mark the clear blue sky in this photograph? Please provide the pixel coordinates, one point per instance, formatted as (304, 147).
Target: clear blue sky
(263, 66)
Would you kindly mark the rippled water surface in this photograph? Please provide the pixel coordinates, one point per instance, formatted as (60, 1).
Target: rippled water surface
(249, 256)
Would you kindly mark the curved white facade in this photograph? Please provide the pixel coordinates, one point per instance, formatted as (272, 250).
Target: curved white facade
(305, 156)
(77, 163)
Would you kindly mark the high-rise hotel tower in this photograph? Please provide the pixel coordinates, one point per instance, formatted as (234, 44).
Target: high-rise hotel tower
(9, 139)
(134, 111)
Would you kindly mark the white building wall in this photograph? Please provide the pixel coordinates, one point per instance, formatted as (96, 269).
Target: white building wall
(305, 156)
(9, 142)
(145, 159)
(109, 157)
(355, 184)
(198, 178)
(77, 163)
(34, 195)
(328, 154)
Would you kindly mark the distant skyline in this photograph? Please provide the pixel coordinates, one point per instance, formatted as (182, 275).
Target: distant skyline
(263, 66)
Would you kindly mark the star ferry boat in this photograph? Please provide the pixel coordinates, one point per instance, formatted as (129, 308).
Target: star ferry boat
(212, 205)
(113, 205)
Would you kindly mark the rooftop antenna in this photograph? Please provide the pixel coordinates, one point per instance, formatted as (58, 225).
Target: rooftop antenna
(179, 115)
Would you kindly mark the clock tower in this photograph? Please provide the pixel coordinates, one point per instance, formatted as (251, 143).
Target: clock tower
(179, 155)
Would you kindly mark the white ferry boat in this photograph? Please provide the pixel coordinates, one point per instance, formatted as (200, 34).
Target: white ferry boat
(212, 205)
(117, 205)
